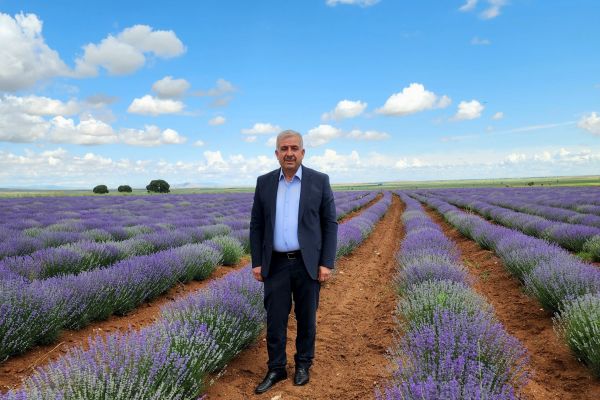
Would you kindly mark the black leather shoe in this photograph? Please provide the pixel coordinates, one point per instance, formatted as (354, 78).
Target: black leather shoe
(301, 377)
(271, 378)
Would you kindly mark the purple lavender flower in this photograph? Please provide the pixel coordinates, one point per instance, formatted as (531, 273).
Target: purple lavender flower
(554, 281)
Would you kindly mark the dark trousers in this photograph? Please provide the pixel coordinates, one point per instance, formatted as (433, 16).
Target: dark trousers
(288, 280)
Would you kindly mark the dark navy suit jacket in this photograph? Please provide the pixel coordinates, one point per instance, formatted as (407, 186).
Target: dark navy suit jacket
(317, 221)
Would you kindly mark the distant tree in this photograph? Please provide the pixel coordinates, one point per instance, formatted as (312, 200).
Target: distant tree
(124, 188)
(100, 189)
(530, 183)
(158, 186)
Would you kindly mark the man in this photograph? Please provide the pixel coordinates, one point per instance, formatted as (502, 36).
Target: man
(293, 239)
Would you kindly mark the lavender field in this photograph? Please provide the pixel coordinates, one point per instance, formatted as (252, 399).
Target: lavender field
(68, 263)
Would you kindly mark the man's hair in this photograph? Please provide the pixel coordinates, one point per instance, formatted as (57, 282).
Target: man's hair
(287, 133)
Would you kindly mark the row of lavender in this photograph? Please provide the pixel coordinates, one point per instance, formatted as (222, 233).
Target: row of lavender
(35, 312)
(85, 255)
(452, 346)
(561, 282)
(82, 255)
(584, 200)
(29, 225)
(347, 202)
(532, 202)
(352, 232)
(171, 359)
(88, 288)
(572, 236)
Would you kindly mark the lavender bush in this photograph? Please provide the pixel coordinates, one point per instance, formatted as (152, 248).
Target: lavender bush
(592, 247)
(424, 270)
(27, 317)
(231, 249)
(554, 282)
(420, 302)
(457, 356)
(579, 324)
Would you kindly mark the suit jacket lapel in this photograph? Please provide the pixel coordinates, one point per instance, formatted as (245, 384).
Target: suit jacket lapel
(304, 191)
(274, 184)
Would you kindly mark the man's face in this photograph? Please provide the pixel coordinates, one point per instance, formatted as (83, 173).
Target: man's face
(289, 153)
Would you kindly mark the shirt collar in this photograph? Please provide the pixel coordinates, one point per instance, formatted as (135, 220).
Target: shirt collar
(298, 173)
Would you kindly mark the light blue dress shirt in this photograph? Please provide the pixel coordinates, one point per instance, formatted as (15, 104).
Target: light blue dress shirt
(285, 236)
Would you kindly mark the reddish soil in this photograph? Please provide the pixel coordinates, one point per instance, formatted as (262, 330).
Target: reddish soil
(555, 373)
(16, 368)
(354, 329)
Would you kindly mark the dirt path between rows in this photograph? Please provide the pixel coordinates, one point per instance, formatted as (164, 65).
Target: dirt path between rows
(555, 373)
(354, 329)
(17, 368)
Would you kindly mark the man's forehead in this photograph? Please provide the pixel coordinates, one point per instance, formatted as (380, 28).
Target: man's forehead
(289, 141)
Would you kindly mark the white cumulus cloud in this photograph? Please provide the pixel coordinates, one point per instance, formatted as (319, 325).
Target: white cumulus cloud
(21, 118)
(271, 142)
(468, 6)
(39, 105)
(345, 109)
(498, 115)
(25, 58)
(150, 105)
(150, 136)
(590, 123)
(493, 9)
(87, 132)
(332, 161)
(221, 88)
(21, 127)
(321, 135)
(168, 87)
(367, 135)
(469, 110)
(126, 52)
(413, 99)
(250, 139)
(262, 128)
(218, 120)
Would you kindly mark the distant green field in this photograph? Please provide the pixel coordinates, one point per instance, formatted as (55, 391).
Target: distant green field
(592, 180)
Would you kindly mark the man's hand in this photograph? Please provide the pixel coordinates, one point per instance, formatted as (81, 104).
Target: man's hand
(324, 273)
(256, 273)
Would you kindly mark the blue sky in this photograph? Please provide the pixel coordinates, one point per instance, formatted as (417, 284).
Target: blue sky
(194, 92)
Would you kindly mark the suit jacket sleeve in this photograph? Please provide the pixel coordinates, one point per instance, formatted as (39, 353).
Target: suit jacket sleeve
(257, 228)
(329, 226)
